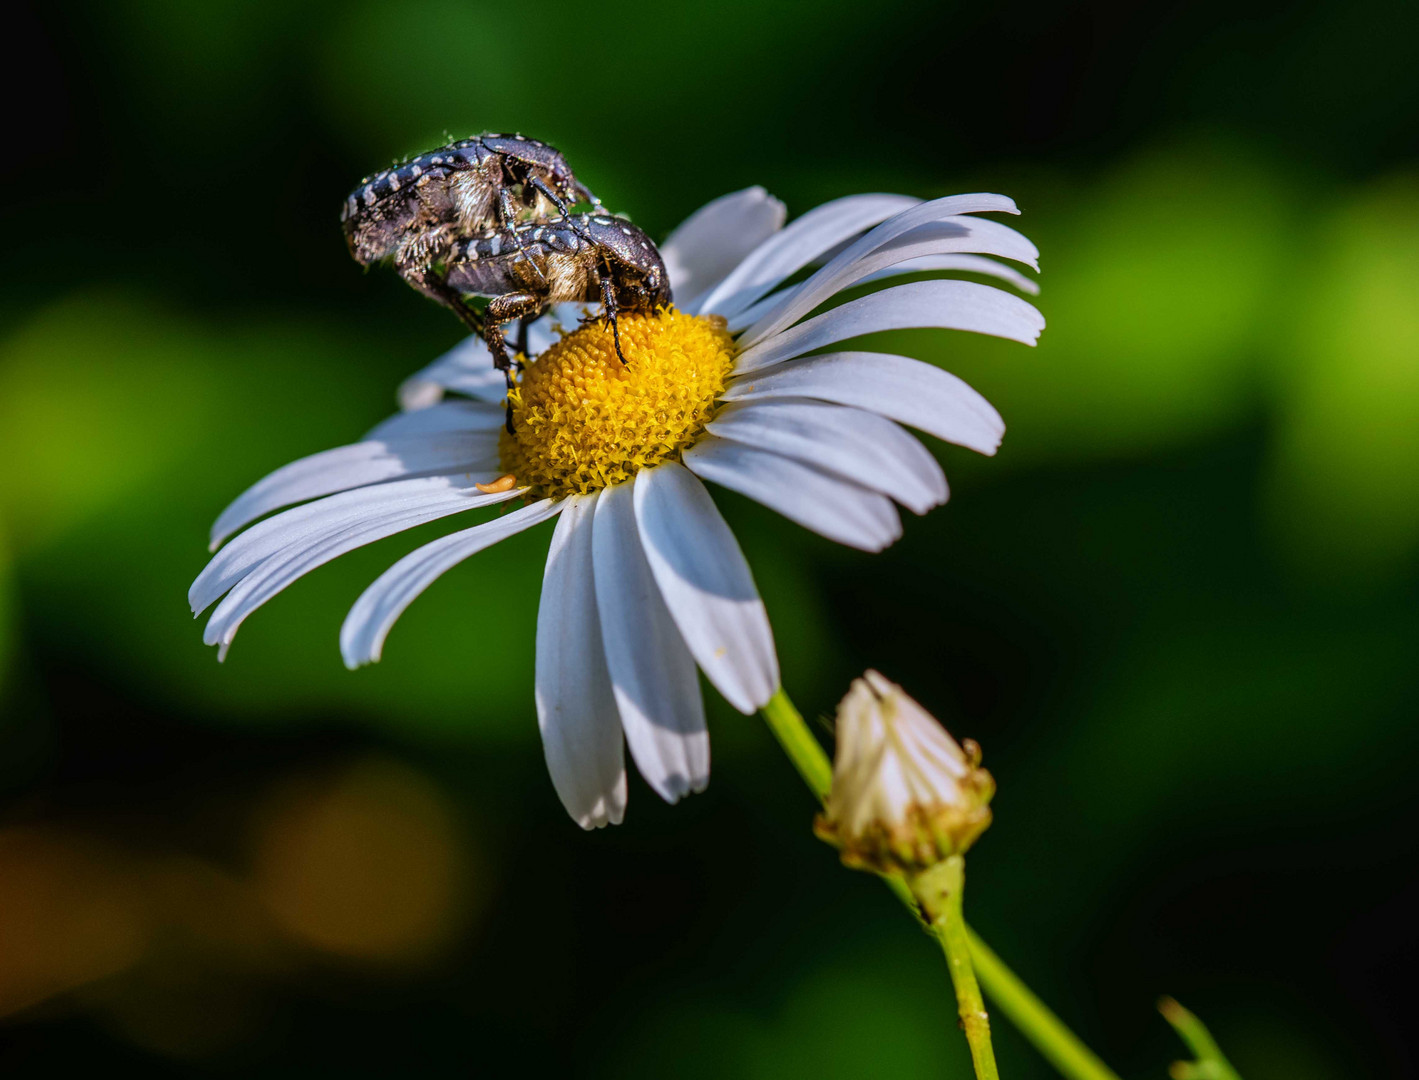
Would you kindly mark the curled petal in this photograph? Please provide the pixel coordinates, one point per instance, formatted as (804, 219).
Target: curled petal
(951, 305)
(357, 465)
(797, 245)
(932, 228)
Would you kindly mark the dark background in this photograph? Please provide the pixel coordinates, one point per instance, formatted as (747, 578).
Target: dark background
(1177, 610)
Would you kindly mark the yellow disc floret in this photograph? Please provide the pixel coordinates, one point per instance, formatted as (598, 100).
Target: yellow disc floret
(583, 421)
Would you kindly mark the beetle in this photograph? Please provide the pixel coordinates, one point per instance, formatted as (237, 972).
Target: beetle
(581, 258)
(417, 211)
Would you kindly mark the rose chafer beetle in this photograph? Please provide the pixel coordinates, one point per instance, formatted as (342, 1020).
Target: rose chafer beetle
(416, 212)
(581, 258)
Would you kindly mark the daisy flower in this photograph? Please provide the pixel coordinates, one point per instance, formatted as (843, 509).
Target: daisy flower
(644, 581)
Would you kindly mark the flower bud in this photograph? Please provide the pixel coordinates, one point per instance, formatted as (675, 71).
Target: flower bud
(905, 795)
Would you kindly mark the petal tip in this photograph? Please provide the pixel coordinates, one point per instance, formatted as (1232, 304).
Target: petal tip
(354, 660)
(674, 788)
(600, 817)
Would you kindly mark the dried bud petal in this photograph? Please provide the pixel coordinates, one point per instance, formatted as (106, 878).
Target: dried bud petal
(905, 796)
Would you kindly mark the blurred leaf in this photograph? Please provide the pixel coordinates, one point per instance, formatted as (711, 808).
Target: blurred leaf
(97, 394)
(1346, 465)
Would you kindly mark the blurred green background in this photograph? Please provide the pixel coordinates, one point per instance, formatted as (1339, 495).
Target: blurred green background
(1178, 610)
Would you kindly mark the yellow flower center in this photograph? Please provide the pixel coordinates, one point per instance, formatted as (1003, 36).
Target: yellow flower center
(584, 421)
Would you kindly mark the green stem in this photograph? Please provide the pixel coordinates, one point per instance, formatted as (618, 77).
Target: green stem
(797, 741)
(939, 891)
(1060, 1046)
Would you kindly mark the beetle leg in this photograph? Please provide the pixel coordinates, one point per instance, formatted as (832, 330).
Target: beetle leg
(519, 344)
(432, 285)
(507, 206)
(509, 209)
(501, 310)
(608, 304)
(417, 264)
(548, 194)
(556, 200)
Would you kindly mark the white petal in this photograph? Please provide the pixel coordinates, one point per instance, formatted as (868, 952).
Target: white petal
(834, 508)
(652, 672)
(983, 236)
(971, 264)
(715, 238)
(933, 228)
(951, 305)
(467, 368)
(446, 416)
(297, 526)
(356, 465)
(795, 246)
(706, 584)
(379, 607)
(908, 391)
(314, 543)
(1020, 248)
(576, 708)
(859, 446)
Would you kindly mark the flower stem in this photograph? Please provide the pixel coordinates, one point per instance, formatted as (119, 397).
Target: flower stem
(939, 890)
(803, 749)
(1060, 1046)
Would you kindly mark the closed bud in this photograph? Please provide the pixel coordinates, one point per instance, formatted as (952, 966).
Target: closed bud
(905, 795)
